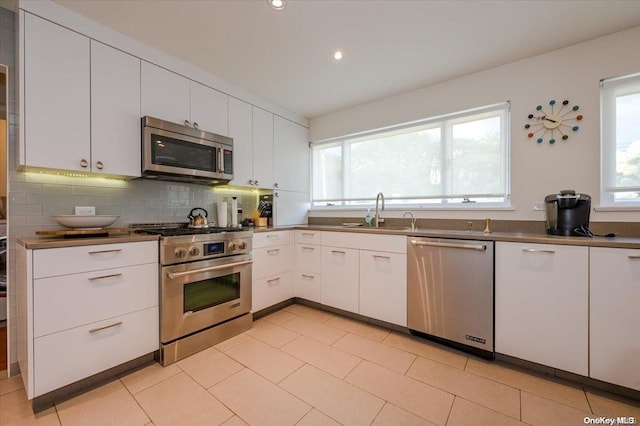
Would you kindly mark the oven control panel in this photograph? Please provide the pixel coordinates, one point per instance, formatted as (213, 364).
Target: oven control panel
(187, 249)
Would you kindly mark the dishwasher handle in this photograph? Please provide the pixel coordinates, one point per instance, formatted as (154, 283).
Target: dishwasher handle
(480, 247)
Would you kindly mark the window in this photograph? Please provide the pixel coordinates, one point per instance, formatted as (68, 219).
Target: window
(457, 160)
(620, 141)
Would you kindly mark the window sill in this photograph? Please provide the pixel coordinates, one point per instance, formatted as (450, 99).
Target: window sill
(412, 207)
(617, 208)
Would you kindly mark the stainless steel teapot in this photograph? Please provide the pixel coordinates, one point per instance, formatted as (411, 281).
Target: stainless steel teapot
(198, 220)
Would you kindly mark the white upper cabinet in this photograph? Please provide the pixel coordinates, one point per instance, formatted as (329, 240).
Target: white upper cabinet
(165, 94)
(241, 130)
(291, 155)
(115, 111)
(262, 148)
(209, 109)
(172, 97)
(57, 96)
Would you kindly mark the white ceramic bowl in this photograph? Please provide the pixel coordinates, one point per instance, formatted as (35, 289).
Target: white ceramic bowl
(85, 222)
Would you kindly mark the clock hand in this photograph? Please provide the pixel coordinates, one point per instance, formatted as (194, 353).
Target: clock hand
(548, 119)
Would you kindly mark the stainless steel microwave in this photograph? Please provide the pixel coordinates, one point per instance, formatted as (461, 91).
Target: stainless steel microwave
(175, 152)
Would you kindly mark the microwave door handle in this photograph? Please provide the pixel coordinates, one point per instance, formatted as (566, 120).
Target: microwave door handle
(220, 161)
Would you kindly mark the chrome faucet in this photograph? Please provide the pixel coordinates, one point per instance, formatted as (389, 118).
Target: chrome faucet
(376, 219)
(413, 220)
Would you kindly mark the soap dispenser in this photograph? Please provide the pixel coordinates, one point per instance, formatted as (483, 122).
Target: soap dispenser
(367, 218)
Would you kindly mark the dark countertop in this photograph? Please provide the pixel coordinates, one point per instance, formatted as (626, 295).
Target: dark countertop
(57, 242)
(518, 237)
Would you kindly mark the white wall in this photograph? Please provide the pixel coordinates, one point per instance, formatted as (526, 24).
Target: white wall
(571, 73)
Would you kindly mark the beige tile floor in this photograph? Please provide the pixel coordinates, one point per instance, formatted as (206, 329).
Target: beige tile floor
(308, 367)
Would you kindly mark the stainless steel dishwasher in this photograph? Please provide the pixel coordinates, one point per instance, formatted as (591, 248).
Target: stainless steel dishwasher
(450, 292)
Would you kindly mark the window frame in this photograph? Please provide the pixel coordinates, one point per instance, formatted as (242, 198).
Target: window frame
(437, 202)
(610, 89)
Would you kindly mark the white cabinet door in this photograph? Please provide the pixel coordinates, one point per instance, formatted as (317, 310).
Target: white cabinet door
(383, 286)
(290, 208)
(614, 316)
(241, 130)
(262, 148)
(209, 109)
(291, 155)
(115, 111)
(165, 94)
(541, 303)
(340, 278)
(57, 96)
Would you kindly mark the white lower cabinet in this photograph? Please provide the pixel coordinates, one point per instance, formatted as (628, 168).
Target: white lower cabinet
(614, 316)
(340, 274)
(307, 280)
(71, 355)
(272, 273)
(83, 310)
(383, 286)
(542, 303)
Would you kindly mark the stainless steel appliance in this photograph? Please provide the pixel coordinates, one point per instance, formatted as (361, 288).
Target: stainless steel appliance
(205, 287)
(450, 292)
(175, 152)
(567, 213)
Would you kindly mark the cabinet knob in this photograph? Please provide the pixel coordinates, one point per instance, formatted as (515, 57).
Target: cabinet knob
(256, 183)
(84, 163)
(187, 123)
(275, 185)
(195, 125)
(100, 165)
(250, 181)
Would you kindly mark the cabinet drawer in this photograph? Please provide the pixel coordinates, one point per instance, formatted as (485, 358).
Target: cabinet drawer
(274, 260)
(71, 260)
(67, 301)
(271, 290)
(386, 243)
(308, 258)
(307, 285)
(72, 355)
(308, 237)
(268, 239)
(340, 239)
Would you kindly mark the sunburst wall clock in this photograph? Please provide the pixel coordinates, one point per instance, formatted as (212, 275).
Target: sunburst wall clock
(553, 121)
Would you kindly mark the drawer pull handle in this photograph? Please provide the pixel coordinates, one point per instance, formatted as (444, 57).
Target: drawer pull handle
(308, 234)
(308, 276)
(378, 256)
(105, 251)
(104, 277)
(307, 248)
(273, 280)
(273, 236)
(96, 330)
(634, 257)
(338, 252)
(273, 251)
(530, 250)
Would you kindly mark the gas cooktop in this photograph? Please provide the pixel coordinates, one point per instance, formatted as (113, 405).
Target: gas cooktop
(180, 229)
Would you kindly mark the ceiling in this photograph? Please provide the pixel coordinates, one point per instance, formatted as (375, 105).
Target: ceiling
(390, 46)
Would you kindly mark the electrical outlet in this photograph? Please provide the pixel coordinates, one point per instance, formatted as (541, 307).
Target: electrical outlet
(538, 206)
(85, 211)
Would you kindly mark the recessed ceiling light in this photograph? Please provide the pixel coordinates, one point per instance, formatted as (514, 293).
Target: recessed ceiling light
(337, 54)
(276, 4)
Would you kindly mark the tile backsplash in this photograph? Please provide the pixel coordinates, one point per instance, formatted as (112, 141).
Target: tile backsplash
(35, 197)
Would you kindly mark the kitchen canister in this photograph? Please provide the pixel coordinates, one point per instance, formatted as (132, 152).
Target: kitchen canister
(234, 211)
(222, 213)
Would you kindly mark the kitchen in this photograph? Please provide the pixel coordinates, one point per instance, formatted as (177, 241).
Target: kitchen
(38, 197)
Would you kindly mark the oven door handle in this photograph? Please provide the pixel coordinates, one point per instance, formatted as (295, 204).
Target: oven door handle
(173, 275)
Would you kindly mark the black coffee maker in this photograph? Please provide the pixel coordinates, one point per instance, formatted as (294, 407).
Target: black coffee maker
(567, 213)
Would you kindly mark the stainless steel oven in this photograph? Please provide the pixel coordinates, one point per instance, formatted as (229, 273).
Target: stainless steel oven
(205, 288)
